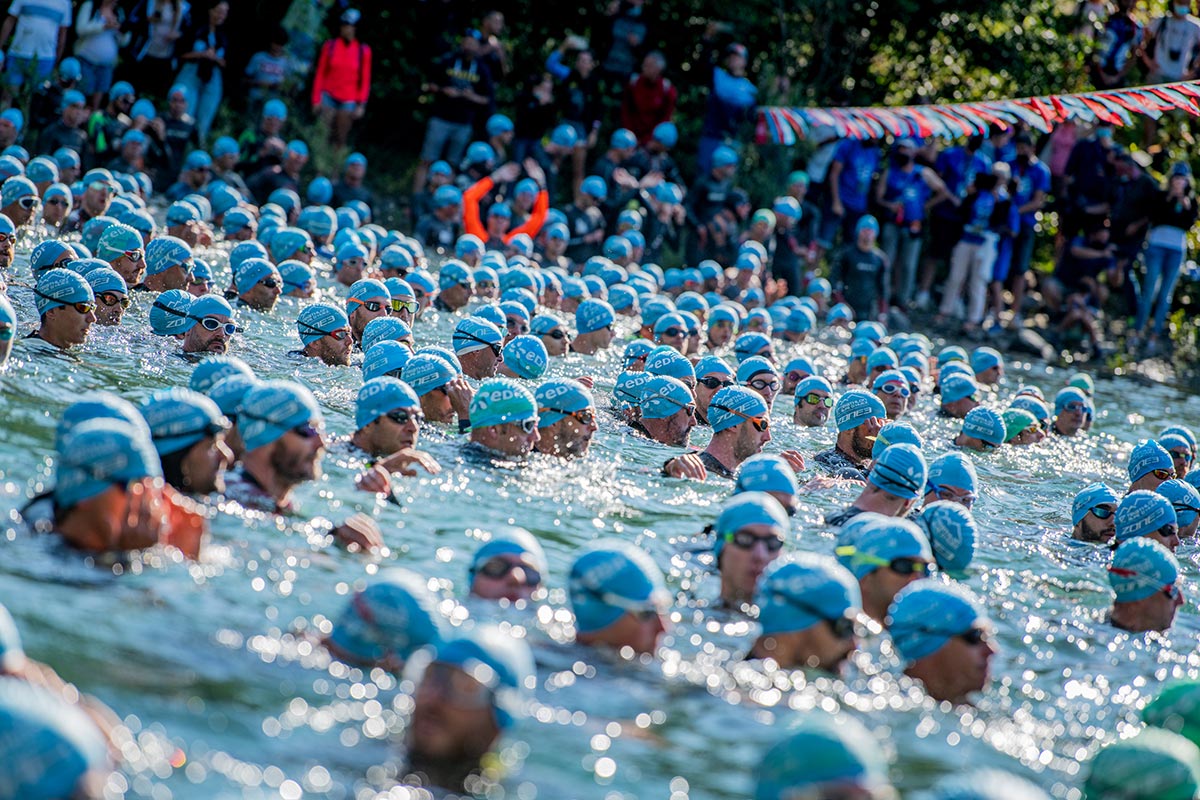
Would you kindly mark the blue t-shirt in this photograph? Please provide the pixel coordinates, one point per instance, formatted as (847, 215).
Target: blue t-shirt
(958, 169)
(1032, 179)
(858, 167)
(910, 189)
(266, 68)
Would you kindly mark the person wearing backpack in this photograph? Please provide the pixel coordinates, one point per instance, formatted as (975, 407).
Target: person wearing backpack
(342, 81)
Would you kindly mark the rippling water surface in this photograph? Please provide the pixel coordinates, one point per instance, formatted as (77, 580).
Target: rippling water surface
(210, 666)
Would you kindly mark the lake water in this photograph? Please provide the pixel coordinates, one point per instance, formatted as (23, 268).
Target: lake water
(208, 665)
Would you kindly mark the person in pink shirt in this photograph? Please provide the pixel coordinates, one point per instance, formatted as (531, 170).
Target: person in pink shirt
(343, 79)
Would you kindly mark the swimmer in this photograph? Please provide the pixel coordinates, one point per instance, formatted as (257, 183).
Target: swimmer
(477, 343)
(504, 418)
(66, 306)
(885, 555)
(383, 624)
(619, 598)
(814, 399)
(594, 320)
(1144, 576)
(982, 431)
(188, 431)
(566, 418)
(324, 332)
(952, 477)
(748, 535)
(509, 565)
(858, 417)
(1093, 514)
(1150, 465)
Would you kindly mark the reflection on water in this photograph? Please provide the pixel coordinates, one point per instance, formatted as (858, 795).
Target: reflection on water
(212, 664)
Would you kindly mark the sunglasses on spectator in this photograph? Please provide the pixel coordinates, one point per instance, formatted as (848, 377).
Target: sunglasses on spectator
(812, 398)
(214, 324)
(715, 383)
(497, 568)
(584, 417)
(112, 299)
(760, 423)
(402, 416)
(370, 305)
(745, 540)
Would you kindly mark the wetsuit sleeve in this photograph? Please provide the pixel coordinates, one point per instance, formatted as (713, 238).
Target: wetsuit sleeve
(537, 216)
(471, 221)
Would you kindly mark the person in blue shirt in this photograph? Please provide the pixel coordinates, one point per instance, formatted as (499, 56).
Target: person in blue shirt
(957, 167)
(849, 183)
(730, 107)
(1120, 47)
(266, 72)
(1032, 179)
(974, 256)
(904, 190)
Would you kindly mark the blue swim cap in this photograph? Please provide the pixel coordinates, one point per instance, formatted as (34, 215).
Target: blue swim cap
(751, 344)
(1155, 764)
(98, 405)
(986, 425)
(213, 368)
(275, 109)
(854, 408)
(900, 470)
(425, 372)
(559, 396)
(610, 578)
(819, 750)
(387, 357)
(475, 333)
(731, 406)
(48, 745)
(954, 470)
(320, 319)
(117, 240)
(508, 540)
(870, 541)
(1143, 512)
(797, 592)
(384, 329)
(296, 275)
(394, 615)
(592, 315)
(42, 169)
(499, 401)
(526, 356)
(666, 360)
(380, 396)
(47, 252)
(1185, 499)
(662, 396)
(287, 242)
(745, 509)
(984, 358)
(106, 280)
(754, 366)
(1069, 395)
(60, 287)
(1148, 456)
(179, 418)
(861, 348)
(1040, 410)
(882, 357)
(1088, 498)
(1141, 567)
(956, 387)
(170, 313)
(1183, 431)
(800, 320)
(271, 409)
(841, 311)
(766, 473)
(254, 270)
(99, 453)
(366, 290)
(499, 661)
(927, 614)
(893, 433)
(709, 365)
(952, 533)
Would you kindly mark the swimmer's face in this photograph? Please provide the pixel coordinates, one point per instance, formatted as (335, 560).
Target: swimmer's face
(297, 454)
(205, 464)
(452, 719)
(742, 566)
(508, 576)
(812, 415)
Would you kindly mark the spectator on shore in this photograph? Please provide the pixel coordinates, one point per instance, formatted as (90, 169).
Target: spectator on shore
(342, 81)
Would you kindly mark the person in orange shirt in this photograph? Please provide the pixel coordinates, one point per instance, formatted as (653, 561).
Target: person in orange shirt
(495, 234)
(342, 82)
